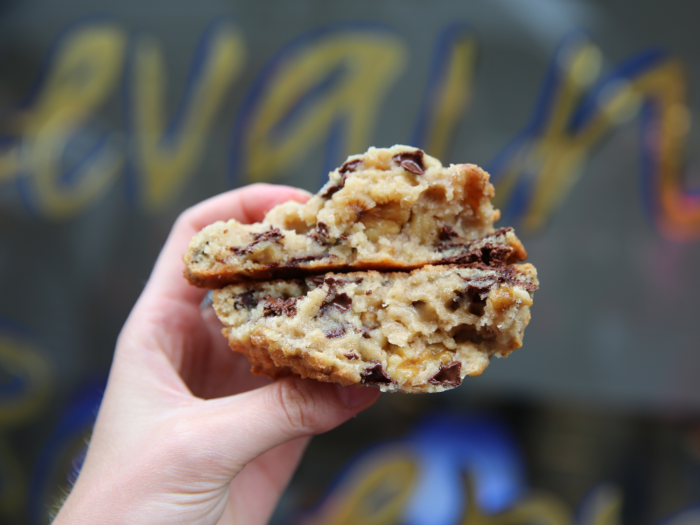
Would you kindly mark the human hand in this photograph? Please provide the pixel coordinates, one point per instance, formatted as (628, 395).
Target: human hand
(185, 434)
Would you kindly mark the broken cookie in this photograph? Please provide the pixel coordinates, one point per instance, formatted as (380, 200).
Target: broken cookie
(392, 276)
(422, 331)
(389, 209)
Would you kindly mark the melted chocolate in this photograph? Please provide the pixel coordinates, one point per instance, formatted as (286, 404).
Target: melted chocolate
(332, 191)
(275, 307)
(336, 332)
(411, 161)
(340, 301)
(238, 251)
(320, 233)
(504, 274)
(271, 235)
(245, 300)
(448, 375)
(500, 231)
(493, 253)
(373, 375)
(447, 233)
(349, 166)
(478, 290)
(294, 261)
(488, 255)
(318, 280)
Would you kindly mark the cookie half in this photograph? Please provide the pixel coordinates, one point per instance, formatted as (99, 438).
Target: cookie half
(422, 331)
(388, 209)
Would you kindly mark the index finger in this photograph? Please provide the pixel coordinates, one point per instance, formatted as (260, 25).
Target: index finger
(248, 204)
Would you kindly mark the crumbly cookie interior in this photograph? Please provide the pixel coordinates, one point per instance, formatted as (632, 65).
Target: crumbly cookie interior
(394, 208)
(422, 331)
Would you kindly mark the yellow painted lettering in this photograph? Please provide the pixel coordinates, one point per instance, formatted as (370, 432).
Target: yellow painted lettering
(602, 507)
(536, 509)
(165, 159)
(31, 372)
(293, 115)
(448, 95)
(677, 211)
(82, 75)
(376, 493)
(547, 161)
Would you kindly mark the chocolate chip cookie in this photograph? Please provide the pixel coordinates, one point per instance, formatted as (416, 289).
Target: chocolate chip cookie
(392, 275)
(422, 331)
(389, 209)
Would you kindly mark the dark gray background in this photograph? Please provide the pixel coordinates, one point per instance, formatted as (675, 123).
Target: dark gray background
(614, 323)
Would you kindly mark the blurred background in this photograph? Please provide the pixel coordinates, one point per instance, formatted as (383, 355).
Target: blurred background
(114, 117)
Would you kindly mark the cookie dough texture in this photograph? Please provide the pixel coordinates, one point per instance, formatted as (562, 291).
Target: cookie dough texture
(422, 331)
(388, 209)
(392, 275)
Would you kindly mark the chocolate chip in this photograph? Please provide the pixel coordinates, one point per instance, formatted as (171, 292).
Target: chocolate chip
(331, 191)
(295, 261)
(365, 332)
(351, 357)
(447, 233)
(448, 375)
(320, 233)
(373, 375)
(239, 251)
(502, 274)
(368, 292)
(411, 161)
(487, 251)
(318, 280)
(271, 235)
(275, 307)
(349, 166)
(245, 300)
(336, 332)
(450, 245)
(340, 301)
(495, 255)
(501, 231)
(346, 168)
(478, 291)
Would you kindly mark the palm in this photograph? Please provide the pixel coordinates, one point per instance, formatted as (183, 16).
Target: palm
(209, 369)
(185, 434)
(216, 371)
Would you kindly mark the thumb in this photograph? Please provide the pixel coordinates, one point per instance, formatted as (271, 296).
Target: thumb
(256, 421)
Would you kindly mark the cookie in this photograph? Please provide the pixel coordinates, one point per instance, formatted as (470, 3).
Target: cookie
(416, 332)
(388, 209)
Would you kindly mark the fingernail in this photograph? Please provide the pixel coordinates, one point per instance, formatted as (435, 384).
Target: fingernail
(353, 396)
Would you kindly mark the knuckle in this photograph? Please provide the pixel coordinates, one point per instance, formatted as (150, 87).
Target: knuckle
(297, 406)
(185, 218)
